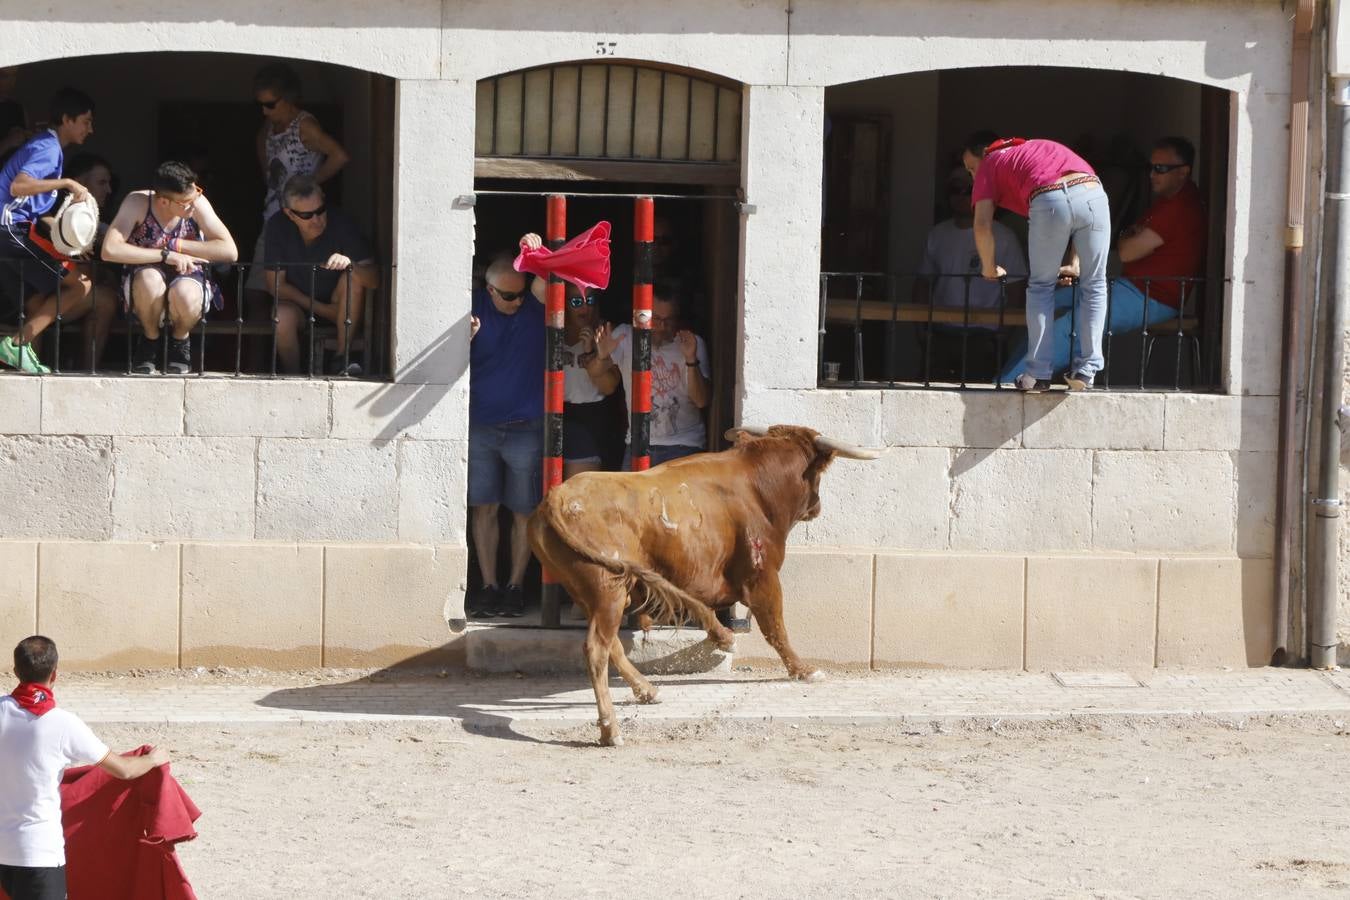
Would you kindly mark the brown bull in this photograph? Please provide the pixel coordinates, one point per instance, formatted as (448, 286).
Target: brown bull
(685, 539)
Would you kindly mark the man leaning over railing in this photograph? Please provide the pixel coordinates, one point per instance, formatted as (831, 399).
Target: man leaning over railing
(166, 236)
(319, 264)
(1159, 254)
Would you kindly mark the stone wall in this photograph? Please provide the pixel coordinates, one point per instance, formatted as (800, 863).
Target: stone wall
(198, 520)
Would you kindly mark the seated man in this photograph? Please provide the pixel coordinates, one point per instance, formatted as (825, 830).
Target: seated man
(96, 175)
(166, 236)
(317, 262)
(953, 266)
(681, 376)
(1158, 253)
(31, 275)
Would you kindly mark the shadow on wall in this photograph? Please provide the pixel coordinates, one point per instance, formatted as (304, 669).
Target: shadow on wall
(977, 421)
(413, 396)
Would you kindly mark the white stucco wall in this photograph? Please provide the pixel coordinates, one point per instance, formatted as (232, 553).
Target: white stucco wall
(1143, 474)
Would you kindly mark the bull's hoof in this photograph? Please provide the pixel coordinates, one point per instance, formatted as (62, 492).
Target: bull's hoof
(726, 646)
(812, 676)
(649, 695)
(609, 735)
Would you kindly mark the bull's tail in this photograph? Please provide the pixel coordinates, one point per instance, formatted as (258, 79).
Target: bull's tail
(665, 601)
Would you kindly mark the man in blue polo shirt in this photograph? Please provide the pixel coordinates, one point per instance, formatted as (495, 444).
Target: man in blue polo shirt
(506, 439)
(31, 275)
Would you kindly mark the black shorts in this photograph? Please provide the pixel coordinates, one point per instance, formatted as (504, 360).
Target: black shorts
(25, 268)
(584, 426)
(34, 883)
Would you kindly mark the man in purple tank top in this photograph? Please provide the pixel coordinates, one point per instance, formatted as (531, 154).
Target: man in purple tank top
(167, 237)
(1064, 203)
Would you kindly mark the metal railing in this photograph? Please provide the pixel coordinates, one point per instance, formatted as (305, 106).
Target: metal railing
(362, 353)
(887, 330)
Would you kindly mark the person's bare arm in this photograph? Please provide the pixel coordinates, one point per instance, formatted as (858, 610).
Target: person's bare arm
(117, 250)
(694, 382)
(315, 138)
(1137, 243)
(984, 240)
(128, 768)
(219, 245)
(25, 185)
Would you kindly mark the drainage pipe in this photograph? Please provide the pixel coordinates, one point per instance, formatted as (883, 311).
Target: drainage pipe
(1287, 492)
(1322, 599)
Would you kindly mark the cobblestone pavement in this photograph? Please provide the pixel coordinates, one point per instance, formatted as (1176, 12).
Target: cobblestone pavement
(877, 698)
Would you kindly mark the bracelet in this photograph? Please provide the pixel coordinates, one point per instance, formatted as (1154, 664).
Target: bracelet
(694, 363)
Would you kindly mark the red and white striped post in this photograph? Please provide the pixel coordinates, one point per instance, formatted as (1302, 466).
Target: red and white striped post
(555, 300)
(639, 432)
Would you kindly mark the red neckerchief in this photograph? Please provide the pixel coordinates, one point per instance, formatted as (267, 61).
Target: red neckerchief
(1004, 144)
(36, 698)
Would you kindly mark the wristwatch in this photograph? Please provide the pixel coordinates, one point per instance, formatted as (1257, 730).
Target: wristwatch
(164, 255)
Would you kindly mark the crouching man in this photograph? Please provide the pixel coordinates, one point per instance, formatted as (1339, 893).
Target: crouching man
(165, 236)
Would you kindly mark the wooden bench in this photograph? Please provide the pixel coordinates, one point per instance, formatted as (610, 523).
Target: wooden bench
(846, 309)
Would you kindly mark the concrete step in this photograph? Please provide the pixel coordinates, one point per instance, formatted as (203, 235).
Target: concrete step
(496, 649)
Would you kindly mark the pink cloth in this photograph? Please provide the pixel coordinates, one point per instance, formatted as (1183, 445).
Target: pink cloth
(1009, 176)
(584, 260)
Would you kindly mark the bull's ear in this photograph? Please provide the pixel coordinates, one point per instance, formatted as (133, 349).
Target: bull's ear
(740, 432)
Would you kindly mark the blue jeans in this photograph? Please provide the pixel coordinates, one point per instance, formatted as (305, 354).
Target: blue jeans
(1127, 314)
(1079, 214)
(506, 465)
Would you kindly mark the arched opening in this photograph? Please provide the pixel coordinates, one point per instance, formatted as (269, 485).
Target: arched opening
(890, 147)
(199, 108)
(603, 134)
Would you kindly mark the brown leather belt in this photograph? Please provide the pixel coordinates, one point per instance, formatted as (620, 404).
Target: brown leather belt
(1063, 185)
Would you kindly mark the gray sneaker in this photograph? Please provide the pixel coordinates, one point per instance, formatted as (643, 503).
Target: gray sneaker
(1028, 385)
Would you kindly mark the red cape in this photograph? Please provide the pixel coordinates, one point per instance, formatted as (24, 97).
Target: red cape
(120, 835)
(584, 260)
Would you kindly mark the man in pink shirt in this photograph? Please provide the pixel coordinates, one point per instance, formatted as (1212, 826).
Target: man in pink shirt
(1064, 203)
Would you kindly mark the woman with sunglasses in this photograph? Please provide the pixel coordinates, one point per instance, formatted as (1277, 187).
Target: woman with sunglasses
(587, 381)
(290, 142)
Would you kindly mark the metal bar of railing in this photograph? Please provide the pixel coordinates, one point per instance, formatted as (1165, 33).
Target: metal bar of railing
(857, 330)
(1143, 336)
(313, 298)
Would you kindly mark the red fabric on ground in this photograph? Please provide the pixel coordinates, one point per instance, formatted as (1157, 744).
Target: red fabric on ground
(120, 834)
(584, 260)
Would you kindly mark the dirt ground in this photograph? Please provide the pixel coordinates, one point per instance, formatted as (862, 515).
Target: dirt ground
(1091, 809)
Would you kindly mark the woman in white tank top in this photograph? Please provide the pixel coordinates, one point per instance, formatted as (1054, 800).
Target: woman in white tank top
(290, 142)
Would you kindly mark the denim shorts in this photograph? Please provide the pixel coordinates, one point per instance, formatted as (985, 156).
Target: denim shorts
(506, 465)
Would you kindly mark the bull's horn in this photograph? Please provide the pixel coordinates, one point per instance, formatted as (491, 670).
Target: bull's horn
(753, 430)
(839, 448)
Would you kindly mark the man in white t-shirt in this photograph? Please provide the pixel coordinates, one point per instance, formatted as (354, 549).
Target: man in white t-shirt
(37, 743)
(681, 376)
(953, 263)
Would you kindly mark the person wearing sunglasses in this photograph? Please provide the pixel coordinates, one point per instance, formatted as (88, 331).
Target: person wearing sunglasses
(506, 429)
(1062, 198)
(317, 261)
(587, 381)
(290, 142)
(681, 375)
(166, 237)
(1158, 254)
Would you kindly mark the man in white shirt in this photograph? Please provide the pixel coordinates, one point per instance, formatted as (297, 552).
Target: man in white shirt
(37, 743)
(681, 376)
